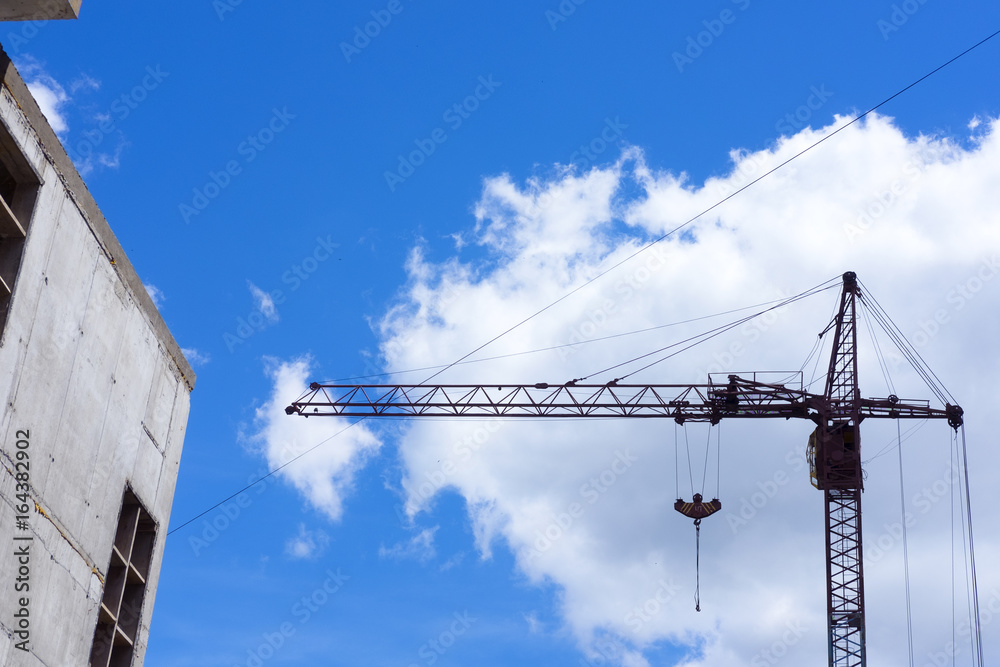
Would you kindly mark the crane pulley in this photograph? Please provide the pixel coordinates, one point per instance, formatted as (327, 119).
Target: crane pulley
(698, 509)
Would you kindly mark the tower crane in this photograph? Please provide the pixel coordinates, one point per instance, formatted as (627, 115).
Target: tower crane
(833, 450)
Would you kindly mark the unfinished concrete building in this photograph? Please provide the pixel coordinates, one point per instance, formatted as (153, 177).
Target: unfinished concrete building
(95, 397)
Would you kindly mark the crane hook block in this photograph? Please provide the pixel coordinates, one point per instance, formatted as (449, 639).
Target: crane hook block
(698, 509)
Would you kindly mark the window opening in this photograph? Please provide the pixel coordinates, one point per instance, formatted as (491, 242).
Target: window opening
(124, 586)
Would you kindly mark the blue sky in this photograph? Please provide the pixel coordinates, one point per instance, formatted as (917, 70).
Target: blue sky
(308, 202)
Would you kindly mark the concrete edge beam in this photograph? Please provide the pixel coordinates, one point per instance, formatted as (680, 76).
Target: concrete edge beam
(38, 10)
(85, 201)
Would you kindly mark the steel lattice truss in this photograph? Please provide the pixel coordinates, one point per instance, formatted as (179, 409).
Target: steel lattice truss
(845, 592)
(844, 571)
(740, 398)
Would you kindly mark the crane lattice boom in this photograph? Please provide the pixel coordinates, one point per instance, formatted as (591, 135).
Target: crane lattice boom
(738, 399)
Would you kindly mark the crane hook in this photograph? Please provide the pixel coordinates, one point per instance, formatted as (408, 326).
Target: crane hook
(697, 509)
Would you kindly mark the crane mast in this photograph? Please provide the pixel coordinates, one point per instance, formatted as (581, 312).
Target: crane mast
(834, 448)
(839, 476)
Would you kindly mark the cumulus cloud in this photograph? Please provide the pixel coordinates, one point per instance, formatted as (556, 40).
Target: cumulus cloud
(264, 302)
(454, 561)
(307, 544)
(419, 547)
(534, 625)
(195, 357)
(325, 476)
(156, 294)
(588, 506)
(51, 98)
(90, 159)
(55, 102)
(84, 82)
(50, 95)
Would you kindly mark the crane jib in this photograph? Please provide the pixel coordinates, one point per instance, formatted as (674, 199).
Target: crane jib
(740, 399)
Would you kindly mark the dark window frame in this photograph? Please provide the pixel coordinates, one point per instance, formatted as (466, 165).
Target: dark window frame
(19, 188)
(125, 584)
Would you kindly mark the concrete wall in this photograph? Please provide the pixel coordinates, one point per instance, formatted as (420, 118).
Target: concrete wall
(29, 10)
(90, 371)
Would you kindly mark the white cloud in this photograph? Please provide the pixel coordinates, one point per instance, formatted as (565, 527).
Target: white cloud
(326, 474)
(534, 625)
(452, 562)
(156, 294)
(53, 100)
(419, 547)
(264, 302)
(915, 217)
(48, 93)
(84, 82)
(307, 544)
(94, 159)
(112, 160)
(195, 357)
(51, 97)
